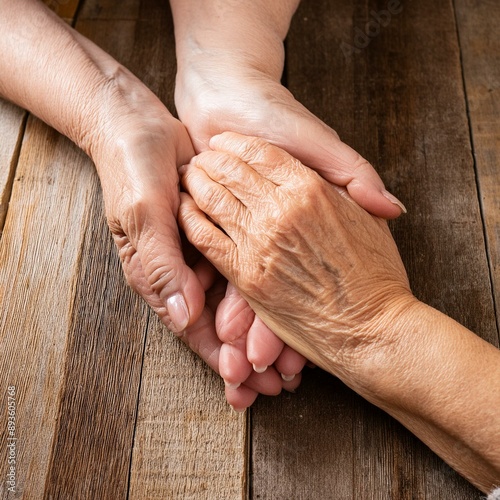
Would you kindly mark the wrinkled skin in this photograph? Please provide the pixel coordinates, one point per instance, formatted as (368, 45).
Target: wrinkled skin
(320, 286)
(326, 277)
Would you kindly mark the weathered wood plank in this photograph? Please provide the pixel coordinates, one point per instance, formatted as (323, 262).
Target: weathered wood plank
(398, 99)
(478, 31)
(73, 336)
(39, 254)
(66, 9)
(12, 121)
(92, 448)
(127, 9)
(188, 445)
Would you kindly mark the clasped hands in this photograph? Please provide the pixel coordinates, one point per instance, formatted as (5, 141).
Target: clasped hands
(137, 156)
(313, 265)
(192, 300)
(228, 79)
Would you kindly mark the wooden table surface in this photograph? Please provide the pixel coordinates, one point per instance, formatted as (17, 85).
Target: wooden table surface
(108, 404)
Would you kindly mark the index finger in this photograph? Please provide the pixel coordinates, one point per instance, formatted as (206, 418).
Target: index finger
(270, 161)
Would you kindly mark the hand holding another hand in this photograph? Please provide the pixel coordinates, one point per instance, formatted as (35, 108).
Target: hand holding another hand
(319, 270)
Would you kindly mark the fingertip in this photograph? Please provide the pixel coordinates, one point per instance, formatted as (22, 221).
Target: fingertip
(231, 385)
(241, 398)
(292, 385)
(263, 346)
(182, 169)
(268, 383)
(290, 363)
(394, 201)
(233, 365)
(215, 140)
(227, 141)
(238, 410)
(259, 369)
(378, 202)
(178, 311)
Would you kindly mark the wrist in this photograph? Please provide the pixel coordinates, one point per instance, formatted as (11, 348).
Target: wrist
(376, 356)
(249, 35)
(440, 381)
(222, 56)
(118, 104)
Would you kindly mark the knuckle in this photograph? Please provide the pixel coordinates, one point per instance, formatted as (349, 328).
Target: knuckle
(311, 188)
(127, 222)
(160, 277)
(224, 162)
(303, 199)
(252, 149)
(254, 146)
(212, 198)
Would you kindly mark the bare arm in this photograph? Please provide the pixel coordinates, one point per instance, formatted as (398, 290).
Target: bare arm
(443, 383)
(58, 75)
(136, 144)
(253, 30)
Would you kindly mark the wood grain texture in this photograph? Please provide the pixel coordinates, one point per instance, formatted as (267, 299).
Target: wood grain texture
(188, 444)
(478, 31)
(12, 121)
(92, 447)
(399, 101)
(39, 254)
(111, 405)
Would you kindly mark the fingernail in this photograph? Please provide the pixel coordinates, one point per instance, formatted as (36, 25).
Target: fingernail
(237, 410)
(178, 311)
(229, 385)
(394, 200)
(259, 369)
(287, 378)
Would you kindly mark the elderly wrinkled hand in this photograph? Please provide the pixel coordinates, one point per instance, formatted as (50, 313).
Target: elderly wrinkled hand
(318, 269)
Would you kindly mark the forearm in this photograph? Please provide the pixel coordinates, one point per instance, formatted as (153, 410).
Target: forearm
(253, 31)
(443, 383)
(61, 77)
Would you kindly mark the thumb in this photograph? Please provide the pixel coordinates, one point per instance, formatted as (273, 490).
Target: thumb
(179, 290)
(341, 165)
(319, 147)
